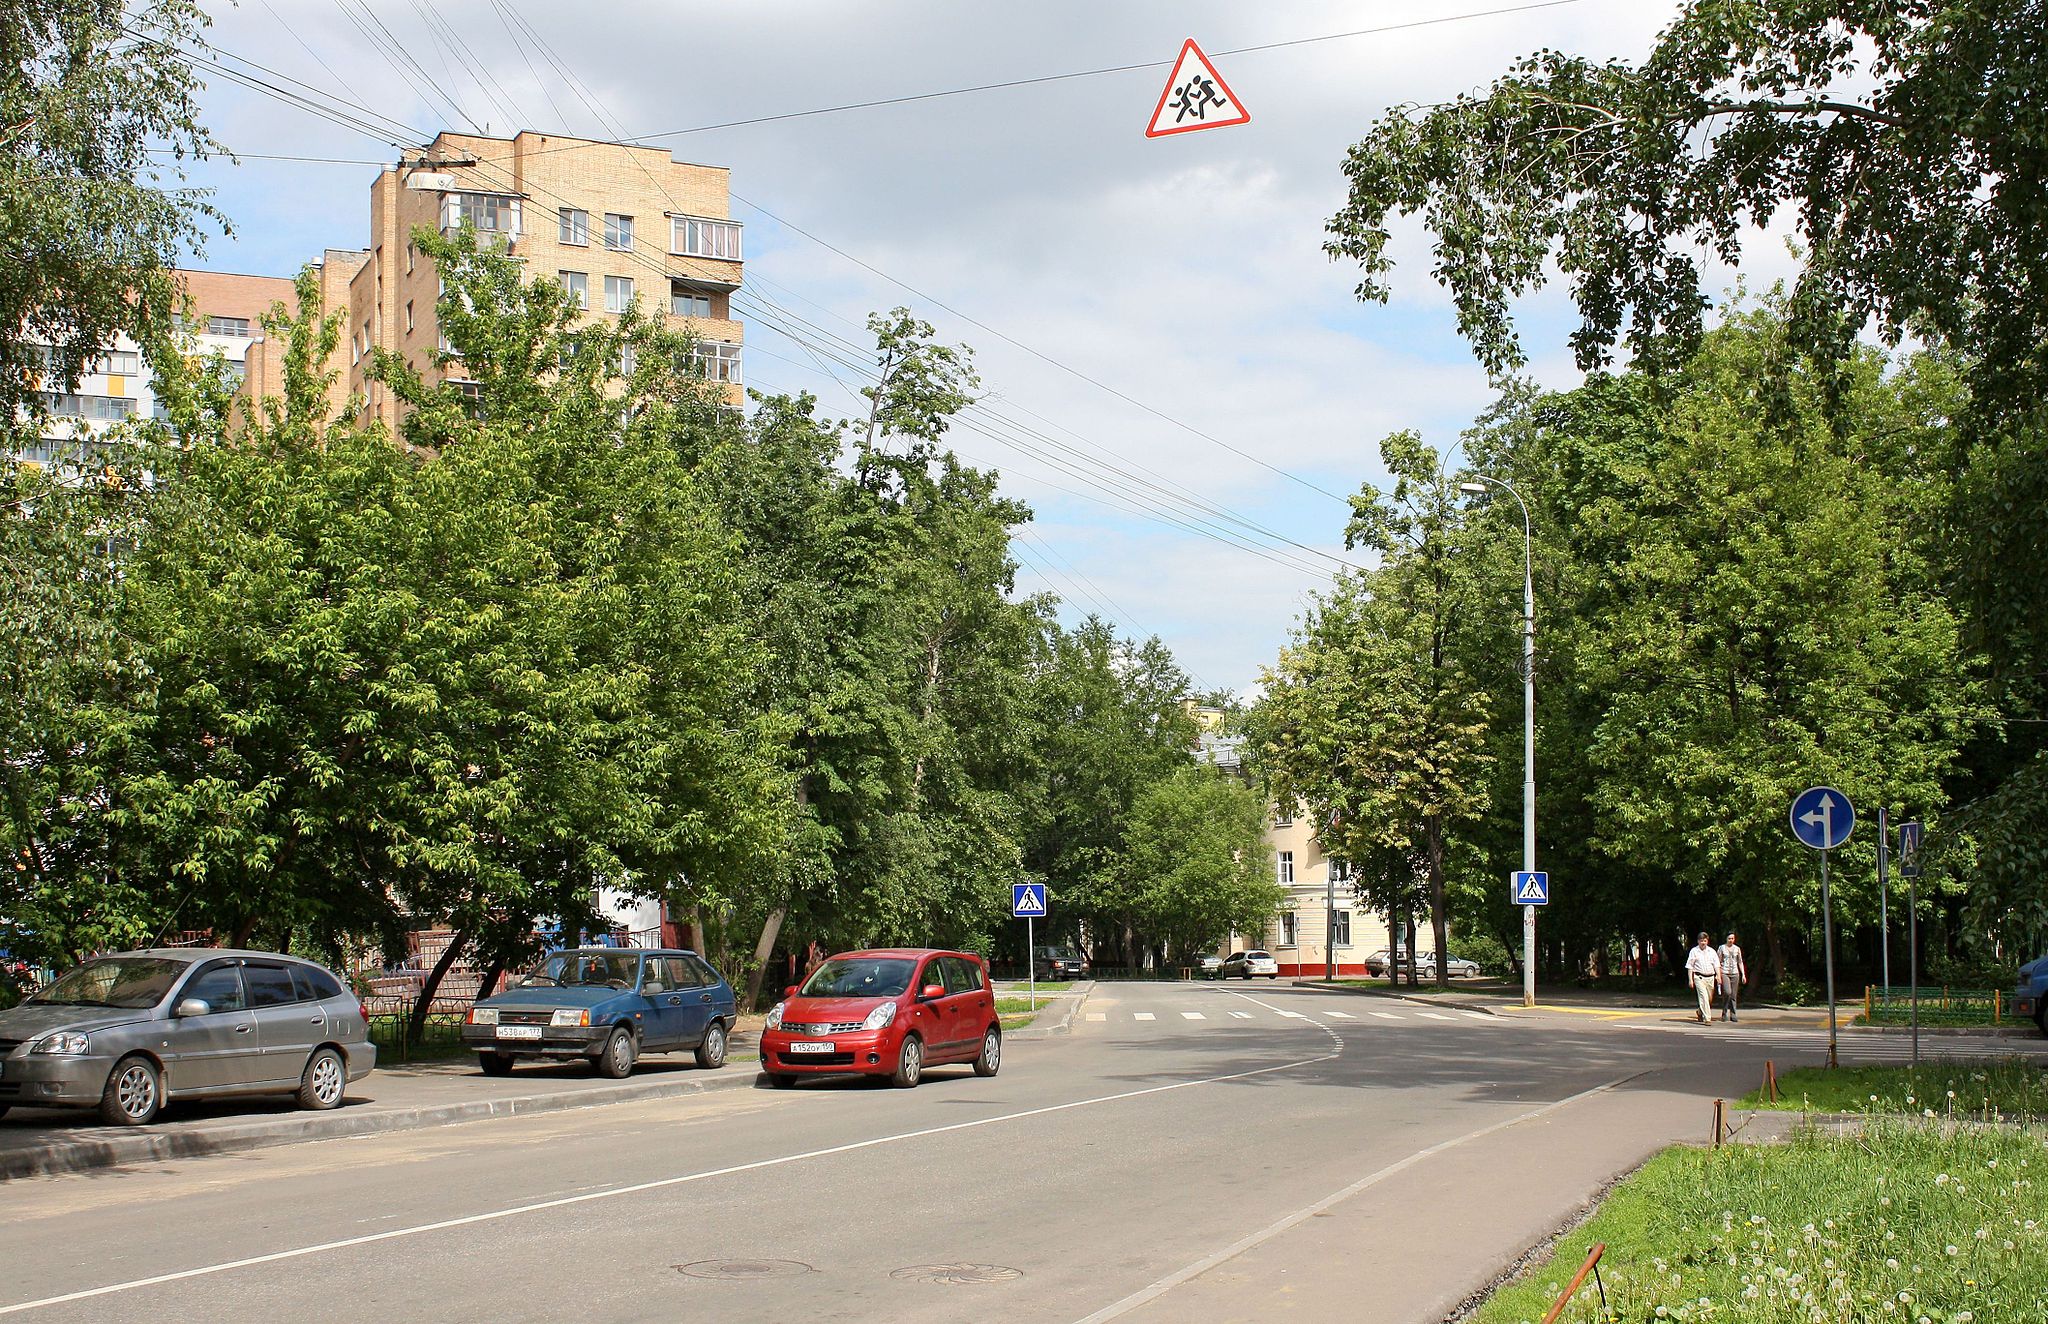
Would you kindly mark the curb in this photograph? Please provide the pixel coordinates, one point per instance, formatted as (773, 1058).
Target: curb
(1948, 1031)
(1396, 997)
(1070, 1006)
(116, 1151)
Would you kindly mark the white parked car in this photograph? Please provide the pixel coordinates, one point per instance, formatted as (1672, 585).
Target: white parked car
(1456, 967)
(1243, 965)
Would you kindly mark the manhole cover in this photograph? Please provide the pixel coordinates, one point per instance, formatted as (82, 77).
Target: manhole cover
(956, 1275)
(744, 1270)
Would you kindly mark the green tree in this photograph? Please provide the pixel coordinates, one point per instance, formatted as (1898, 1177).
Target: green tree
(1376, 714)
(1195, 862)
(98, 112)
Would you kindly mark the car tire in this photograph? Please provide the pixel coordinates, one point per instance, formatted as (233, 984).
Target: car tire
(2041, 1019)
(1247, 976)
(711, 1052)
(616, 1061)
(909, 1063)
(324, 1081)
(3, 1109)
(494, 1064)
(779, 1080)
(134, 1092)
(991, 1059)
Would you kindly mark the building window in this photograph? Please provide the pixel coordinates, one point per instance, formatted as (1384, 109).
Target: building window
(1290, 928)
(1340, 929)
(228, 326)
(1340, 870)
(412, 255)
(1286, 867)
(618, 293)
(618, 232)
(107, 408)
(408, 317)
(490, 212)
(1283, 816)
(578, 285)
(696, 236)
(718, 360)
(575, 226)
(122, 362)
(685, 303)
(629, 359)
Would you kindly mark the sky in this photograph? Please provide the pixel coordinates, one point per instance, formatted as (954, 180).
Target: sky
(1176, 378)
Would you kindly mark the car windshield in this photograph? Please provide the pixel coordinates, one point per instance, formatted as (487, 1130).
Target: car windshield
(860, 977)
(588, 970)
(129, 982)
(1063, 953)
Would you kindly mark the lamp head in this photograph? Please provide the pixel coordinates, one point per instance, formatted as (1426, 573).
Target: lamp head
(1473, 489)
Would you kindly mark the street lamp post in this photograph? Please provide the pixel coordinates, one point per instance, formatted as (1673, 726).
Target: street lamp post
(1528, 722)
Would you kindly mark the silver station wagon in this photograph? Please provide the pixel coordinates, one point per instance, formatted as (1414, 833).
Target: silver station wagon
(128, 1032)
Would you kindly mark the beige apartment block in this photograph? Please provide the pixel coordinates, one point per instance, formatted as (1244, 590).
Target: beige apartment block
(612, 223)
(1299, 936)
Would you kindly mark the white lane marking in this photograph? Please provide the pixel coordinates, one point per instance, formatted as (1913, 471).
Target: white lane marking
(1193, 1016)
(1098, 1015)
(1432, 1015)
(1340, 1015)
(1143, 1016)
(1145, 1295)
(1242, 1015)
(661, 1183)
(1386, 1015)
(1478, 1016)
(1294, 1015)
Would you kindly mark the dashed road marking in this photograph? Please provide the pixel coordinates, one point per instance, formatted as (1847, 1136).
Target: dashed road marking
(1432, 1015)
(1340, 1015)
(1241, 1015)
(1098, 1015)
(1386, 1016)
(1143, 1016)
(1193, 1016)
(1478, 1016)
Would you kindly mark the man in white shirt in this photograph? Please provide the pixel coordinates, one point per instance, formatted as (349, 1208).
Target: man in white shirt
(1703, 972)
(1734, 974)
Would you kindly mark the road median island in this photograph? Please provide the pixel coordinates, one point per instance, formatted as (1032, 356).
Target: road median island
(399, 1099)
(1055, 1015)
(1940, 1219)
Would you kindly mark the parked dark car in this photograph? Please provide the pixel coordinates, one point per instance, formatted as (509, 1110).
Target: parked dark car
(2030, 998)
(1059, 963)
(889, 1013)
(609, 1005)
(129, 1032)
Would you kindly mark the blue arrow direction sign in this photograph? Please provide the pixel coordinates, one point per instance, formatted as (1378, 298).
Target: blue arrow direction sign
(1531, 889)
(1822, 817)
(1027, 900)
(1909, 850)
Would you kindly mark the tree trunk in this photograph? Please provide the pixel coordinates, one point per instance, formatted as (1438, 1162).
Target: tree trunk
(1439, 922)
(770, 930)
(1774, 950)
(416, 1026)
(487, 982)
(243, 928)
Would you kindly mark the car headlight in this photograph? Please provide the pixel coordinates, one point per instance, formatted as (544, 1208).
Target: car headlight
(483, 1015)
(879, 1017)
(567, 1017)
(775, 1016)
(65, 1042)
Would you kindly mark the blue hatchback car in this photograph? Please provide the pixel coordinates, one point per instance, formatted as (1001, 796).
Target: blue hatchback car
(608, 1005)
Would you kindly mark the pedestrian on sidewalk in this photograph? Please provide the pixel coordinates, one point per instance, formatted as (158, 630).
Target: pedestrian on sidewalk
(1703, 972)
(1734, 974)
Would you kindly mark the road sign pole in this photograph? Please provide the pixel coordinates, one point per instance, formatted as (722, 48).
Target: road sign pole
(1827, 940)
(1031, 960)
(1913, 957)
(1884, 931)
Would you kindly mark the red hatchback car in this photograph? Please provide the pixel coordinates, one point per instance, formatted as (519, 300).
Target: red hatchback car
(891, 1013)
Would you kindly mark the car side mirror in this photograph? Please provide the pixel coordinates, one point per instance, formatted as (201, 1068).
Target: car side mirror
(192, 1007)
(789, 991)
(930, 991)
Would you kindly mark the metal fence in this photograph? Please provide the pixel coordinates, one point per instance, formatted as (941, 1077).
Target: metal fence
(1893, 1005)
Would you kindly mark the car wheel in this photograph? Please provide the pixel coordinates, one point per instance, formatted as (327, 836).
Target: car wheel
(991, 1059)
(779, 1080)
(324, 1080)
(3, 1109)
(616, 1061)
(133, 1094)
(2041, 1019)
(711, 1053)
(495, 1064)
(1247, 976)
(909, 1063)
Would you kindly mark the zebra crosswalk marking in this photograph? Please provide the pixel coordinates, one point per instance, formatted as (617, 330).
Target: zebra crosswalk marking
(1143, 1016)
(1193, 1016)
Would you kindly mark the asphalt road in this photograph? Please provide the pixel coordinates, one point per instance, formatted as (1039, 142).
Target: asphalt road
(1169, 1159)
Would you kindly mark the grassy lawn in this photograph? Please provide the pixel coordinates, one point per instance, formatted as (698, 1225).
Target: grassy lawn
(2006, 1088)
(1911, 1221)
(1044, 985)
(1015, 1013)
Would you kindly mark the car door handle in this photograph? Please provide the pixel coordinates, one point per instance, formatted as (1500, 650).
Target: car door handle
(316, 1020)
(243, 1029)
(703, 997)
(675, 1000)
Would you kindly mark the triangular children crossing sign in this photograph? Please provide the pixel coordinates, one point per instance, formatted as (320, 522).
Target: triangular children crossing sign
(1196, 97)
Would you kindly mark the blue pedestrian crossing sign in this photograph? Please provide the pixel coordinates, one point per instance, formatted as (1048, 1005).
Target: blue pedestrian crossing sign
(1909, 850)
(1532, 889)
(1027, 900)
(1822, 817)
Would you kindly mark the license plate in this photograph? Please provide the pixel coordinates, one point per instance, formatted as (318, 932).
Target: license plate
(519, 1032)
(825, 1047)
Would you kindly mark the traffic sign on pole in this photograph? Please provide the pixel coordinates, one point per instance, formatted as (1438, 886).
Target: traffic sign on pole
(1822, 818)
(1531, 889)
(1909, 850)
(1027, 900)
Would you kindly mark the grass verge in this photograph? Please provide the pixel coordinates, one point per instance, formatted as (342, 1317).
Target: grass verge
(1909, 1220)
(1982, 1090)
(1015, 1013)
(1044, 985)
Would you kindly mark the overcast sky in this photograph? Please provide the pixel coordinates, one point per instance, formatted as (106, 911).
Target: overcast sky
(1185, 273)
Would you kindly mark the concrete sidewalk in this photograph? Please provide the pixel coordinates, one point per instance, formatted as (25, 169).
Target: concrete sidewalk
(41, 1141)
